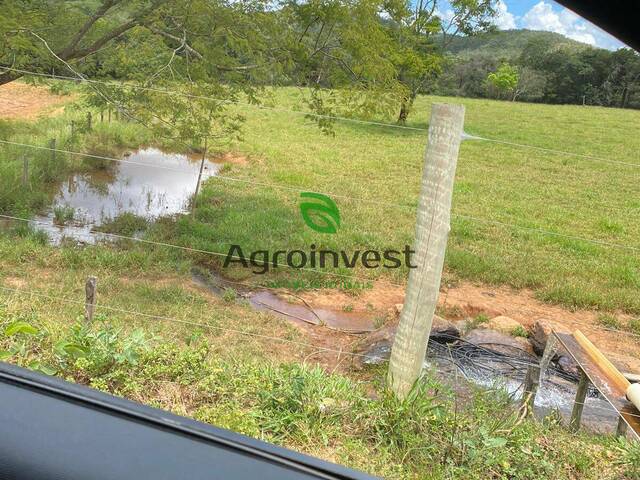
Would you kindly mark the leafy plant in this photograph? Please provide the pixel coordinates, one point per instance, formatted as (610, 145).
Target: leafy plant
(100, 349)
(15, 330)
(520, 331)
(230, 295)
(63, 214)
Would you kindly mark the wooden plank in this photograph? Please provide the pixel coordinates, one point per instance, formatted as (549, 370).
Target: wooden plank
(611, 390)
(601, 361)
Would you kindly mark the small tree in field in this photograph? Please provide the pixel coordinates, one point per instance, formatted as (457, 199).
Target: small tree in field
(503, 82)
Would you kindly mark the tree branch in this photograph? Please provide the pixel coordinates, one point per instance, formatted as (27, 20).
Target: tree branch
(100, 12)
(115, 33)
(187, 47)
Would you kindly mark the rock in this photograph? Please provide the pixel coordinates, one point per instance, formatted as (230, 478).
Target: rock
(503, 324)
(499, 342)
(541, 330)
(444, 329)
(525, 345)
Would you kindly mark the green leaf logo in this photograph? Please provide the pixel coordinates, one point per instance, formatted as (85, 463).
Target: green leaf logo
(323, 209)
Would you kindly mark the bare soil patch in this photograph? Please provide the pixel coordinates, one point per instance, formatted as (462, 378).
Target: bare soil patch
(466, 300)
(232, 158)
(26, 102)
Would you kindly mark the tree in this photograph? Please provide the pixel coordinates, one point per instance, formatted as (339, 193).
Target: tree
(531, 85)
(342, 51)
(421, 35)
(339, 48)
(624, 77)
(503, 81)
(77, 32)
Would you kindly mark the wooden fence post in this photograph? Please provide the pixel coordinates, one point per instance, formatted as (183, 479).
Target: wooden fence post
(581, 395)
(109, 114)
(73, 128)
(432, 230)
(52, 148)
(25, 171)
(531, 382)
(90, 289)
(89, 119)
(621, 429)
(101, 116)
(195, 195)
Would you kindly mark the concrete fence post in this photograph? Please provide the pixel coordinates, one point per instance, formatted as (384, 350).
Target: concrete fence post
(432, 231)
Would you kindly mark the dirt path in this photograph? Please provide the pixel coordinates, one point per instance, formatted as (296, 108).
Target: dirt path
(26, 102)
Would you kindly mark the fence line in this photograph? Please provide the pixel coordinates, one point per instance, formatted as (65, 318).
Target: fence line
(485, 221)
(547, 232)
(237, 331)
(557, 152)
(306, 113)
(221, 177)
(208, 252)
(345, 197)
(348, 277)
(185, 322)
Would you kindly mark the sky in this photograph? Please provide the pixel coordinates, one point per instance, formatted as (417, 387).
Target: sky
(551, 16)
(546, 15)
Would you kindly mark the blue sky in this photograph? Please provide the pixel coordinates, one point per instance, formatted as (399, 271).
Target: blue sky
(549, 15)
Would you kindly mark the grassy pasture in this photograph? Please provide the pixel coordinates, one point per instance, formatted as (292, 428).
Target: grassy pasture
(531, 188)
(374, 173)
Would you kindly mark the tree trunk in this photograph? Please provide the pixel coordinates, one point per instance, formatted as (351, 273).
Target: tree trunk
(625, 97)
(432, 230)
(404, 113)
(405, 108)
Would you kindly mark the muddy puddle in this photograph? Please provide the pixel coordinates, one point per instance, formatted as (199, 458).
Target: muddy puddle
(291, 307)
(148, 183)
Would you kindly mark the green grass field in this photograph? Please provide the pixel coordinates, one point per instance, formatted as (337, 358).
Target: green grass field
(271, 390)
(568, 195)
(374, 175)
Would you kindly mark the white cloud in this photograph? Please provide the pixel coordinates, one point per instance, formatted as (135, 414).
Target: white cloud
(445, 15)
(542, 16)
(504, 20)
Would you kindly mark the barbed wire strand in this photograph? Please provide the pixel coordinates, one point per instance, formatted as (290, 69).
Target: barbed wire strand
(344, 197)
(297, 189)
(185, 322)
(204, 97)
(557, 152)
(196, 250)
(236, 331)
(317, 115)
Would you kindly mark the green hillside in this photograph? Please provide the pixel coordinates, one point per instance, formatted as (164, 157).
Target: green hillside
(545, 67)
(506, 44)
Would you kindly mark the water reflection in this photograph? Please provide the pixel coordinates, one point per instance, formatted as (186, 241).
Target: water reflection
(148, 183)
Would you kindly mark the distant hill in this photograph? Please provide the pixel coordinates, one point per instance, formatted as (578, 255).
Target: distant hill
(506, 44)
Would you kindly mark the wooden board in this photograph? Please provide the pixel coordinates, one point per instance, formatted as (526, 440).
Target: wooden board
(608, 387)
